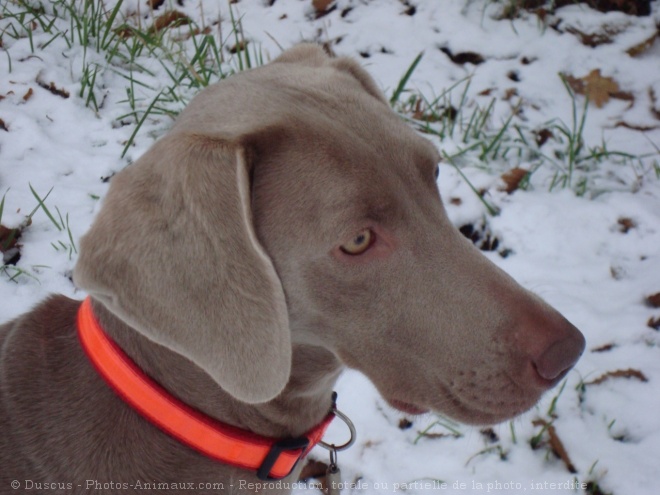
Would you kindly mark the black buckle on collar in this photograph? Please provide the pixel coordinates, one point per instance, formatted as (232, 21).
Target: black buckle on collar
(285, 445)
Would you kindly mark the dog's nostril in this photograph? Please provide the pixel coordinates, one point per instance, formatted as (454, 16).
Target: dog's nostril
(560, 356)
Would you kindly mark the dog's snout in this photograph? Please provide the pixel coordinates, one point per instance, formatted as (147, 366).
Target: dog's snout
(560, 356)
(550, 343)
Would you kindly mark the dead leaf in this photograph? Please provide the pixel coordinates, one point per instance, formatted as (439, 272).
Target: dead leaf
(594, 86)
(556, 444)
(238, 47)
(8, 238)
(653, 323)
(542, 136)
(435, 436)
(3, 126)
(624, 95)
(410, 9)
(633, 127)
(54, 89)
(405, 423)
(653, 300)
(173, 18)
(155, 4)
(629, 373)
(512, 179)
(419, 112)
(490, 435)
(640, 48)
(655, 108)
(456, 201)
(321, 5)
(604, 348)
(625, 224)
(28, 95)
(590, 39)
(510, 93)
(463, 57)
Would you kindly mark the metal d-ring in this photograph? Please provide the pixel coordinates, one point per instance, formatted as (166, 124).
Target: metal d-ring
(351, 428)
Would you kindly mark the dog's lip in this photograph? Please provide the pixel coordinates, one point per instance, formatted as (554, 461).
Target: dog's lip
(406, 407)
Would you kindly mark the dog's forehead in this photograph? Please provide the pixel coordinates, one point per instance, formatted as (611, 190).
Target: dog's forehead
(325, 102)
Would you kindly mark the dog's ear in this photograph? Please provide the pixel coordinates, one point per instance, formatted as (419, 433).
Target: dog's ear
(362, 76)
(314, 55)
(174, 254)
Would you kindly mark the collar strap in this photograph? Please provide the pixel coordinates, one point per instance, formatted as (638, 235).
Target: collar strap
(270, 458)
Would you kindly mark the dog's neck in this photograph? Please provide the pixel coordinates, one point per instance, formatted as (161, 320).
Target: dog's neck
(302, 405)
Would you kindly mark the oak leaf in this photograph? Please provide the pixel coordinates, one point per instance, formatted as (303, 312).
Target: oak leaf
(594, 86)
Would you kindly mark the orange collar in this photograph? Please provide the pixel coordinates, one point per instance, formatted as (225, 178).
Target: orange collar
(270, 458)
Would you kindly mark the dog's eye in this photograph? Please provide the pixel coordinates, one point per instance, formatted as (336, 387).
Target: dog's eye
(359, 244)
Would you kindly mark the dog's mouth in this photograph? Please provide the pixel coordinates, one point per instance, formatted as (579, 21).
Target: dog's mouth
(406, 407)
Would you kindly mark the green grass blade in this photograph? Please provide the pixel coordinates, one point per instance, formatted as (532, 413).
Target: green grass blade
(42, 205)
(404, 80)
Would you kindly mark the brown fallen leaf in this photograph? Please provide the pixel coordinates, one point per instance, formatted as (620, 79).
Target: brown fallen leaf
(654, 323)
(238, 47)
(512, 179)
(629, 373)
(594, 86)
(8, 238)
(640, 48)
(556, 444)
(463, 57)
(172, 18)
(633, 127)
(490, 435)
(28, 95)
(604, 348)
(590, 39)
(510, 93)
(321, 5)
(653, 300)
(155, 4)
(625, 224)
(405, 423)
(54, 89)
(542, 136)
(3, 126)
(435, 436)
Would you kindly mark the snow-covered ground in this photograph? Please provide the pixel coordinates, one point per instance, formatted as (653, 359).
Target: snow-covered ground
(591, 248)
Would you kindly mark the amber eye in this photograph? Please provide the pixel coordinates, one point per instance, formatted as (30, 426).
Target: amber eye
(359, 244)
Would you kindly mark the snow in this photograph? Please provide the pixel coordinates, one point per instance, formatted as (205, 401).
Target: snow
(567, 247)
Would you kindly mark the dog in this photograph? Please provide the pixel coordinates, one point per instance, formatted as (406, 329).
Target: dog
(288, 226)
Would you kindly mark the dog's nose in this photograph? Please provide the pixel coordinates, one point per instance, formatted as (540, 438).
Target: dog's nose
(561, 355)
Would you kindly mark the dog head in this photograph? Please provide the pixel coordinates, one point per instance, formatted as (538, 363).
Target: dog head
(289, 204)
